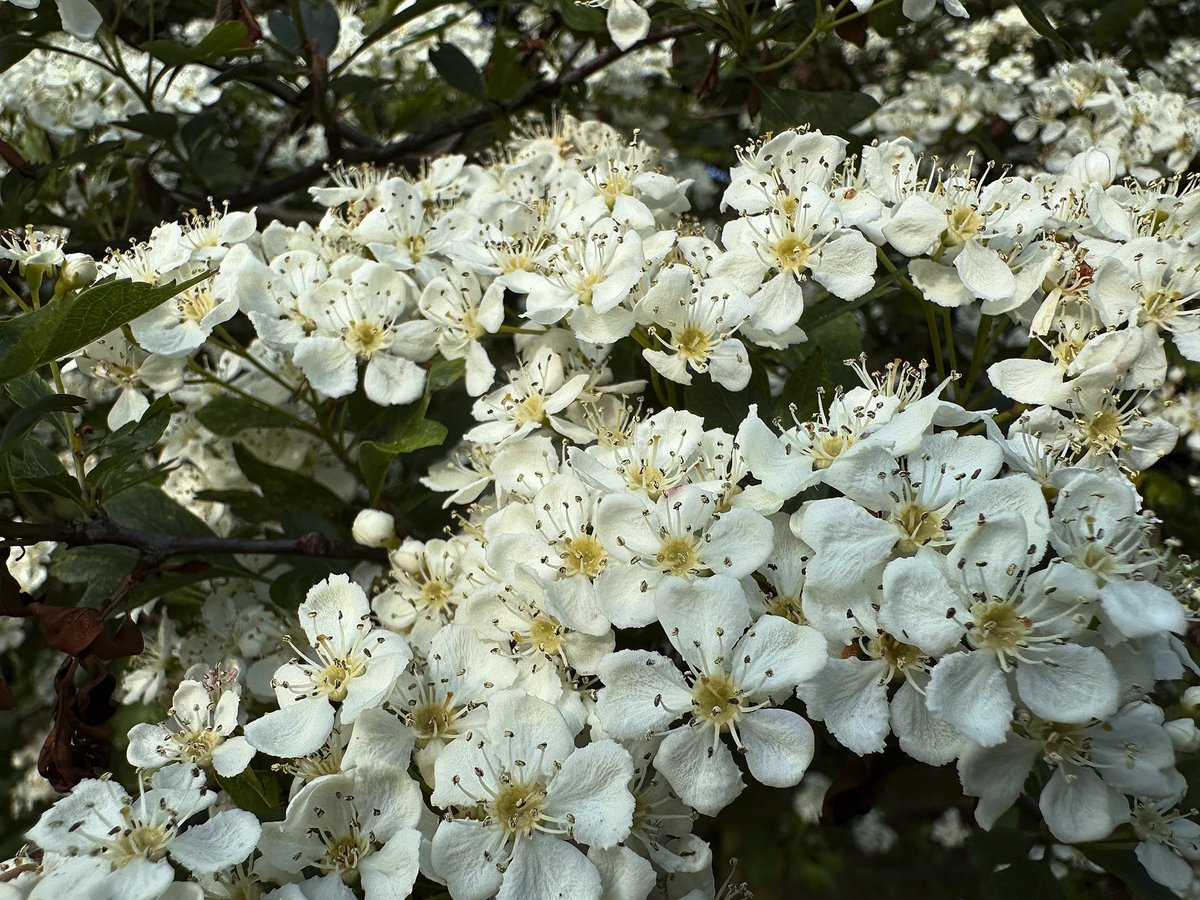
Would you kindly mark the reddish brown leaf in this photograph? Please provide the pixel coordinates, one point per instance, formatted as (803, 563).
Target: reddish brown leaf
(80, 742)
(126, 641)
(854, 31)
(70, 630)
(15, 160)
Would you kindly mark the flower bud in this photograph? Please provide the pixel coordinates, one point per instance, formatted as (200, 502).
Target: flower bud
(1191, 700)
(78, 271)
(1094, 166)
(374, 528)
(1184, 735)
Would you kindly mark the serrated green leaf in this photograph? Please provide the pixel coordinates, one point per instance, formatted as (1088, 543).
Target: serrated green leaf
(228, 415)
(225, 39)
(833, 112)
(147, 508)
(24, 419)
(296, 501)
(1036, 17)
(256, 791)
(34, 339)
(457, 69)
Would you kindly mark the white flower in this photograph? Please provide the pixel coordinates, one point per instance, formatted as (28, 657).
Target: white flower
(130, 840)
(1017, 626)
(29, 564)
(355, 830)
(535, 396)
(464, 313)
(683, 536)
(1168, 843)
(200, 733)
(1093, 766)
(736, 672)
(352, 667)
(701, 318)
(516, 793)
(363, 319)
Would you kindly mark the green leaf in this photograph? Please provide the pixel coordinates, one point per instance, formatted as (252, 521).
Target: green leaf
(834, 112)
(295, 500)
(225, 39)
(1124, 865)
(457, 70)
(1024, 878)
(14, 48)
(1036, 17)
(147, 508)
(63, 326)
(444, 373)
(228, 415)
(817, 365)
(100, 569)
(582, 17)
(24, 419)
(256, 791)
(505, 75)
(376, 456)
(157, 125)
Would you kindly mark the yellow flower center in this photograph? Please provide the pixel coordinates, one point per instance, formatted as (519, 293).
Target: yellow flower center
(143, 842)
(678, 556)
(694, 343)
(518, 807)
(583, 555)
(365, 338)
(998, 625)
(919, 525)
(791, 253)
(717, 701)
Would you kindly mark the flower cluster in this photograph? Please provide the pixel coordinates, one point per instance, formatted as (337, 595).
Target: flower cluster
(637, 611)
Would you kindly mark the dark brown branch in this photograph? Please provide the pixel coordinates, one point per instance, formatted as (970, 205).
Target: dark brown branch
(416, 144)
(158, 547)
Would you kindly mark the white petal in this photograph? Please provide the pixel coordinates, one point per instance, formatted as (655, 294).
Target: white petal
(919, 602)
(779, 746)
(777, 654)
(232, 756)
(393, 380)
(593, 787)
(223, 841)
(701, 614)
(1082, 809)
(848, 696)
(625, 875)
(969, 691)
(545, 868)
(984, 273)
(642, 692)
(627, 23)
(460, 856)
(294, 730)
(389, 872)
(1074, 685)
(915, 226)
(702, 773)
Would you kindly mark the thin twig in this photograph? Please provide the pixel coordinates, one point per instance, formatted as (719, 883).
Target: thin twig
(158, 547)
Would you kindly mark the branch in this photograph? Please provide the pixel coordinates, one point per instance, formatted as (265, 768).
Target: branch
(416, 144)
(158, 547)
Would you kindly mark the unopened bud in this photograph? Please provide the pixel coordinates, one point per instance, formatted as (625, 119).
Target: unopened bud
(1191, 700)
(1094, 166)
(78, 271)
(1184, 735)
(374, 528)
